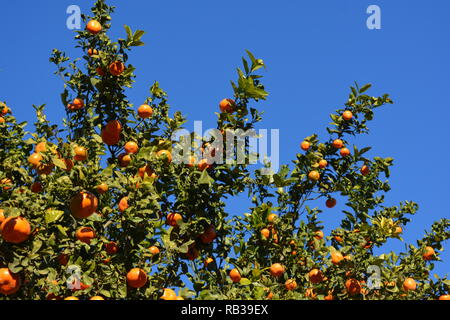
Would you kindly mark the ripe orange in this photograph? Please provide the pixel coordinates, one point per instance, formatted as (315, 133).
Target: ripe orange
(353, 287)
(203, 165)
(2, 216)
(92, 52)
(80, 154)
(428, 254)
(315, 276)
(136, 278)
(124, 160)
(116, 68)
(154, 250)
(336, 258)
(192, 162)
(123, 204)
(15, 229)
(265, 233)
(85, 234)
(345, 152)
(323, 164)
(338, 143)
(111, 132)
(40, 147)
(165, 154)
(271, 217)
(347, 115)
(69, 164)
(94, 26)
(276, 270)
(78, 103)
(290, 284)
(83, 205)
(319, 235)
(3, 110)
(398, 230)
(209, 235)
(97, 298)
(2, 120)
(100, 71)
(9, 282)
(227, 105)
(329, 297)
(208, 261)
(338, 238)
(365, 170)
(102, 188)
(145, 111)
(169, 294)
(131, 147)
(36, 187)
(71, 298)
(305, 145)
(35, 159)
(235, 276)
(173, 218)
(314, 175)
(444, 297)
(409, 284)
(331, 203)
(111, 247)
(63, 259)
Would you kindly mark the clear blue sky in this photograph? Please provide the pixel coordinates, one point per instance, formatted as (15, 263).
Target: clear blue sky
(314, 51)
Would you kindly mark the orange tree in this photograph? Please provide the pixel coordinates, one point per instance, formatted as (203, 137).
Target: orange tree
(98, 209)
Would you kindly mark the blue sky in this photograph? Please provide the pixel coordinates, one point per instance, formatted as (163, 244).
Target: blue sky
(314, 50)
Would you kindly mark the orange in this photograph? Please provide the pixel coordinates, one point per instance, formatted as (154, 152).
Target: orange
(111, 247)
(146, 170)
(203, 165)
(35, 159)
(271, 217)
(78, 103)
(124, 160)
(173, 218)
(235, 276)
(227, 105)
(208, 261)
(83, 205)
(145, 111)
(85, 234)
(123, 204)
(102, 188)
(338, 238)
(15, 229)
(111, 132)
(398, 230)
(4, 110)
(192, 162)
(329, 297)
(97, 298)
(40, 147)
(315, 276)
(265, 233)
(338, 143)
(309, 293)
(276, 270)
(290, 284)
(331, 203)
(165, 154)
(131, 147)
(314, 175)
(409, 284)
(94, 27)
(192, 254)
(336, 258)
(36, 187)
(100, 71)
(45, 168)
(154, 250)
(80, 153)
(109, 139)
(345, 152)
(2, 216)
(323, 164)
(116, 68)
(428, 254)
(2, 120)
(305, 145)
(319, 235)
(209, 235)
(63, 259)
(71, 298)
(9, 282)
(444, 297)
(365, 170)
(347, 115)
(136, 278)
(353, 287)
(92, 52)
(169, 294)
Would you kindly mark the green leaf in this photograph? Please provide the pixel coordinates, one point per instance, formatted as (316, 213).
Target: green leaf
(245, 282)
(52, 215)
(365, 88)
(205, 178)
